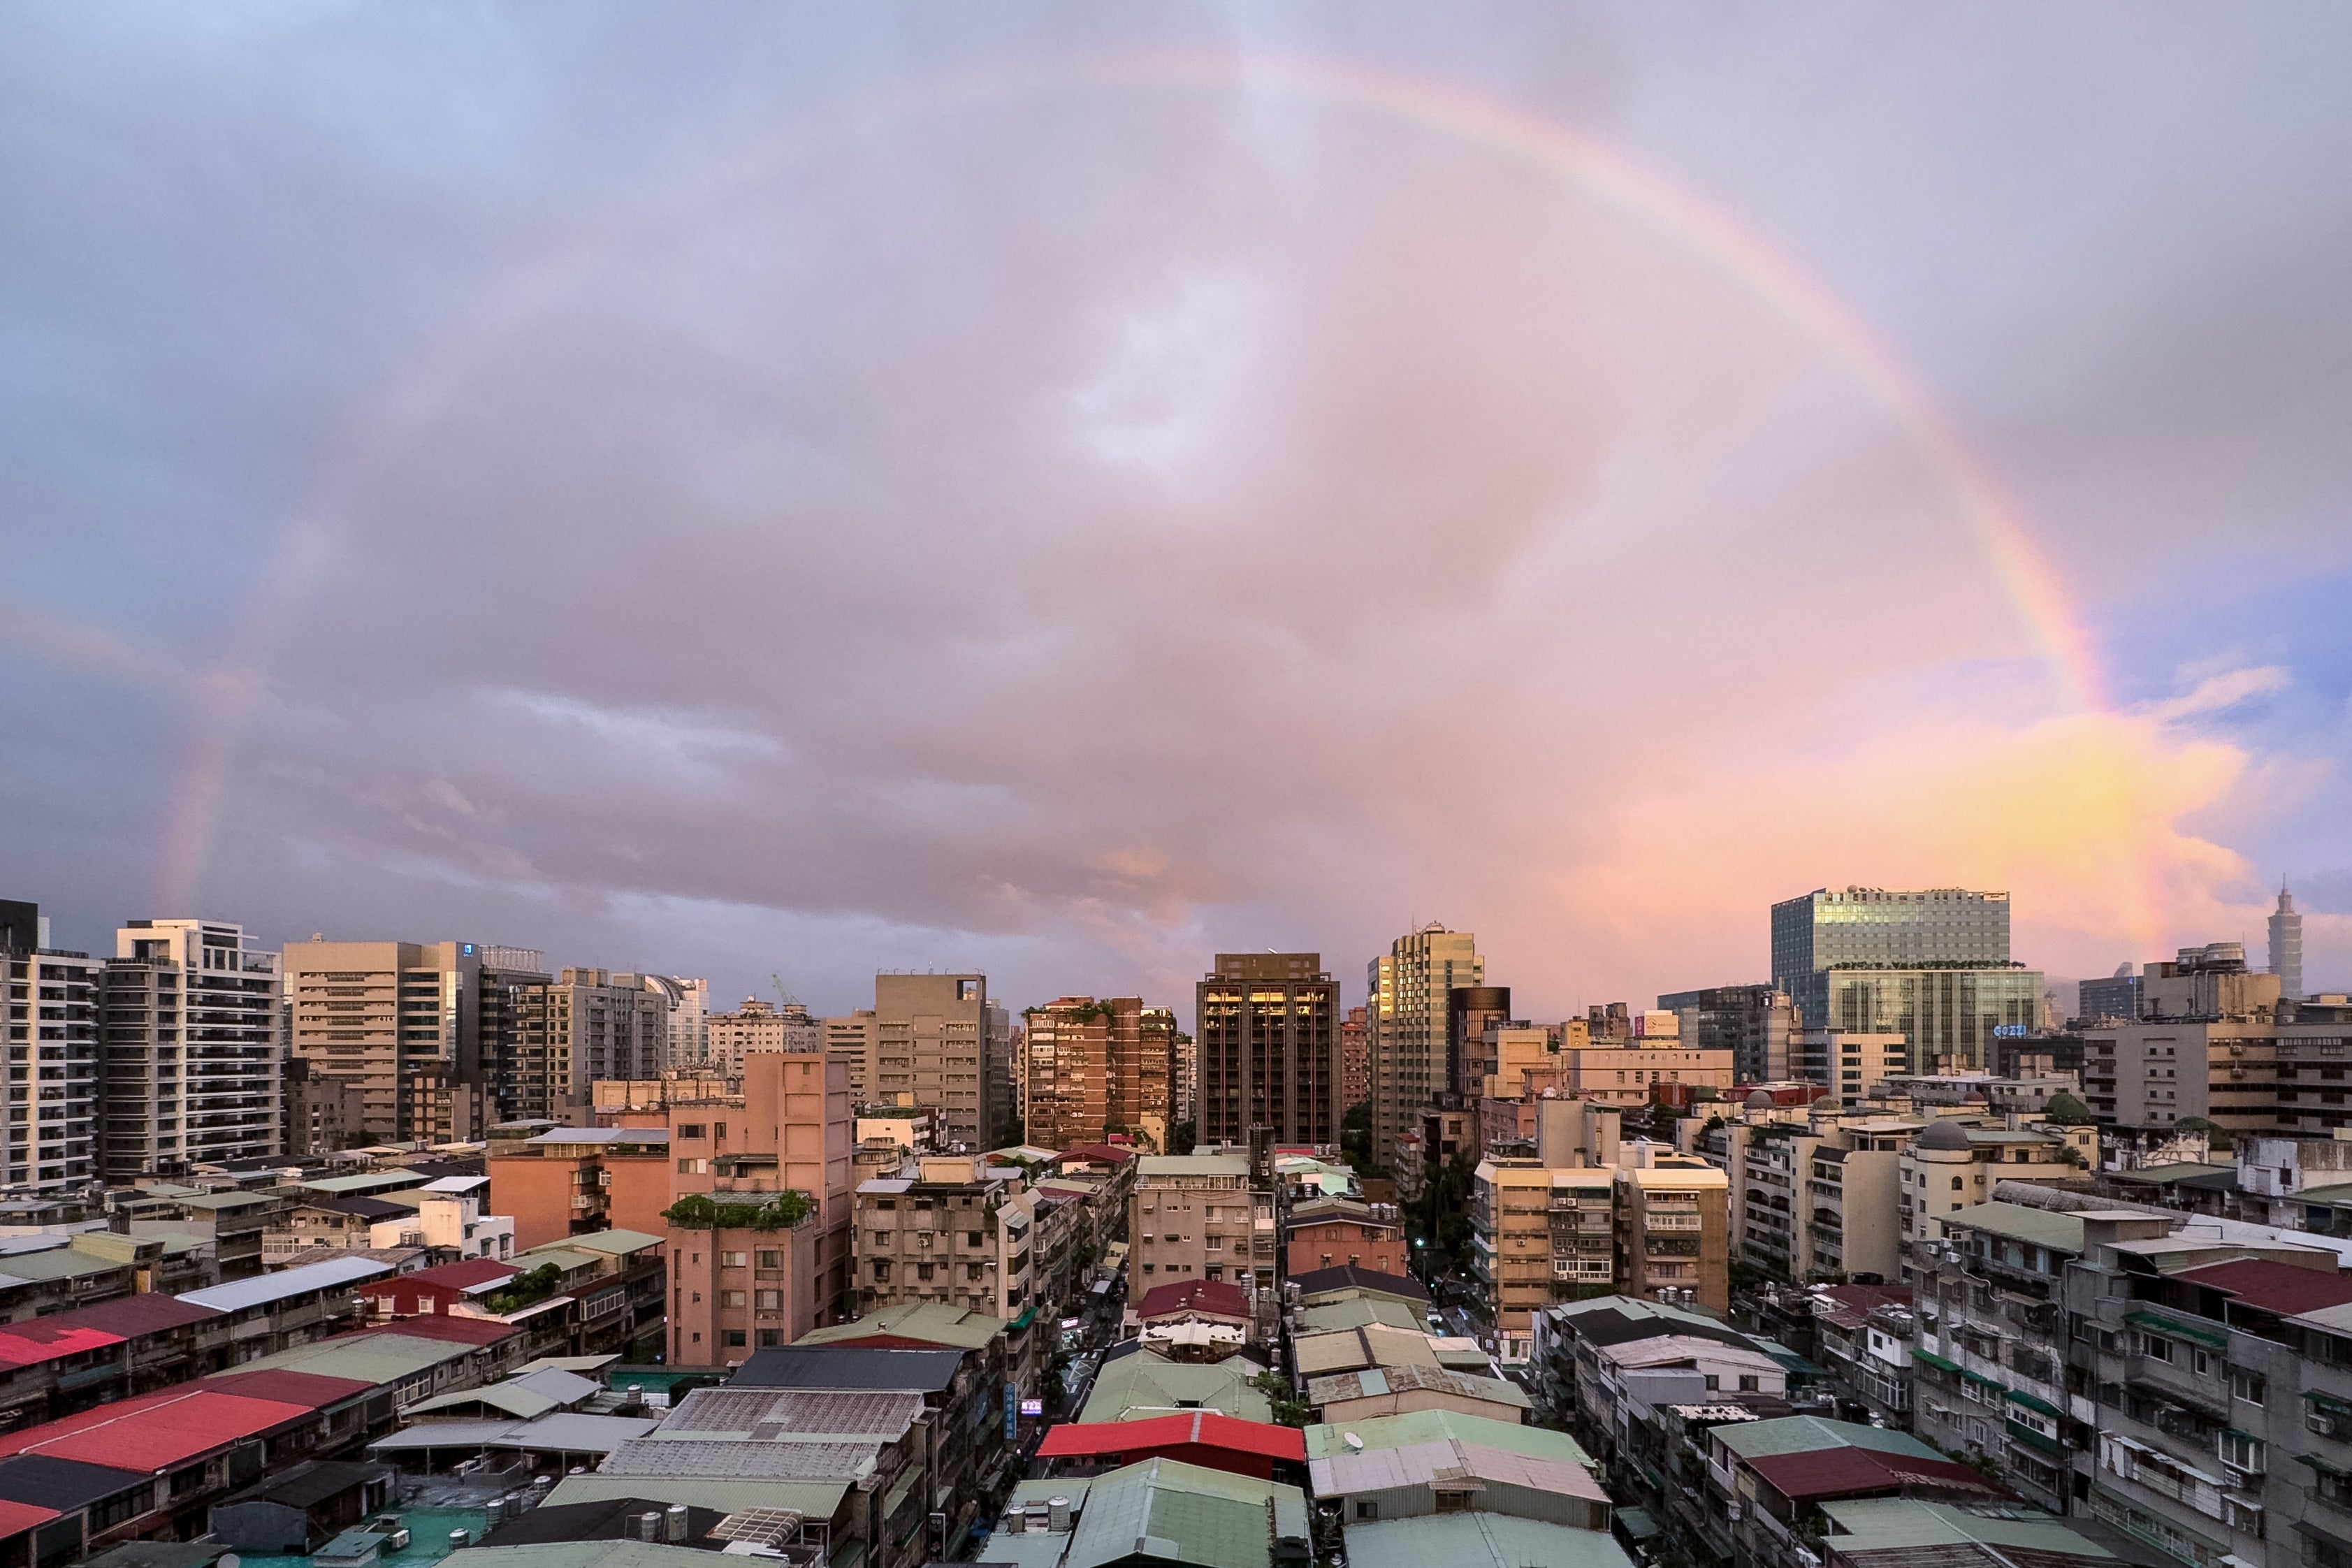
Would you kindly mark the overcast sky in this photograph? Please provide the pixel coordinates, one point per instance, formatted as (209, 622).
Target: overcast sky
(1064, 489)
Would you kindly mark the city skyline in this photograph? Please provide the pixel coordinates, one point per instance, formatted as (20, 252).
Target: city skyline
(1540, 476)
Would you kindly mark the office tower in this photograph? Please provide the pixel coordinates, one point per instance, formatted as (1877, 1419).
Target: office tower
(52, 1012)
(1409, 991)
(1471, 1013)
(758, 1027)
(1754, 1023)
(191, 1049)
(2115, 998)
(374, 1013)
(1355, 1060)
(1184, 1081)
(689, 1017)
(997, 1064)
(510, 1018)
(2286, 946)
(600, 1026)
(939, 1033)
(1269, 1049)
(1932, 966)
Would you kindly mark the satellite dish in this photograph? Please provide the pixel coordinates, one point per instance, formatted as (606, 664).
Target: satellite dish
(229, 1560)
(1355, 1446)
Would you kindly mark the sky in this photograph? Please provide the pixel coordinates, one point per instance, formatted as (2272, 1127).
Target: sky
(790, 490)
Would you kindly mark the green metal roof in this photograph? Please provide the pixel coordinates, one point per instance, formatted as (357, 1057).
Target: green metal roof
(2207, 1333)
(372, 1358)
(2161, 1176)
(56, 1263)
(1392, 1310)
(1480, 1541)
(1190, 1165)
(614, 1241)
(373, 1180)
(935, 1322)
(1184, 1512)
(228, 1200)
(1142, 1385)
(1417, 1427)
(560, 1253)
(1810, 1433)
(2040, 1227)
(1883, 1525)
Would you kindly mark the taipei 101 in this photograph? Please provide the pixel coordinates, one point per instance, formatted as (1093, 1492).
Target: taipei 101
(1285, 785)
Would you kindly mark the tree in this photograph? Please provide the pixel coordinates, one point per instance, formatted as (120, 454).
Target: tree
(2217, 1137)
(2065, 1110)
(741, 1210)
(1015, 1132)
(1355, 1138)
(1183, 1136)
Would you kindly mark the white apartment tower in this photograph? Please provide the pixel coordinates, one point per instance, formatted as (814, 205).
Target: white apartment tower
(190, 1045)
(52, 1015)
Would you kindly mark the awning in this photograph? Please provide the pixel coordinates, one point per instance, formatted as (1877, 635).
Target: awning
(1988, 1382)
(1932, 1359)
(2316, 1463)
(1637, 1523)
(2328, 1402)
(1027, 1317)
(2212, 1336)
(2019, 1396)
(2021, 1432)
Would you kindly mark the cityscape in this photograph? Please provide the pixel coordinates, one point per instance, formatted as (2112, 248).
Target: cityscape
(1054, 785)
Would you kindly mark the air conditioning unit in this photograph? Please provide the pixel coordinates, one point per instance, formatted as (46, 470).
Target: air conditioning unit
(1736, 1512)
(2324, 1424)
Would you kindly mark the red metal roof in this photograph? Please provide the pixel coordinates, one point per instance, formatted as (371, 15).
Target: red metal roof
(885, 1342)
(31, 1343)
(1205, 1428)
(16, 1518)
(1858, 1472)
(149, 1312)
(308, 1389)
(1110, 1151)
(448, 1276)
(2270, 1286)
(155, 1432)
(1212, 1296)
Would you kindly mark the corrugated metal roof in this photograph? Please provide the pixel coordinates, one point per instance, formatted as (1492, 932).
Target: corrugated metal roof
(618, 1242)
(837, 1366)
(817, 1499)
(1151, 1165)
(1480, 1541)
(1206, 1428)
(16, 1518)
(721, 1458)
(238, 1295)
(63, 1483)
(290, 1388)
(1373, 1382)
(154, 1432)
(932, 1323)
(1147, 1384)
(786, 1413)
(1892, 1524)
(367, 1181)
(1439, 1426)
(1347, 1276)
(582, 1554)
(602, 1135)
(1346, 1472)
(475, 1276)
(149, 1312)
(572, 1432)
(1373, 1344)
(1810, 1434)
(2042, 1227)
(1192, 1514)
(1846, 1471)
(43, 1339)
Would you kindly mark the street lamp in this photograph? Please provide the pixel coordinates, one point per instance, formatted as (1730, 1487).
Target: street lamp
(1420, 1248)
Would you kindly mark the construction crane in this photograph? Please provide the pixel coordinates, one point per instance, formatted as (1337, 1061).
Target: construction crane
(784, 999)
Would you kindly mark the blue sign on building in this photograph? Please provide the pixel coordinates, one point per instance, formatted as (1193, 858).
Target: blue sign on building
(1011, 1411)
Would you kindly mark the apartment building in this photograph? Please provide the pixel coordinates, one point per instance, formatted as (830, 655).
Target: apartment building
(1539, 1232)
(53, 1006)
(1631, 1073)
(511, 1013)
(759, 1025)
(574, 1181)
(960, 1232)
(322, 1114)
(1957, 1163)
(1411, 990)
(1269, 1050)
(1757, 1024)
(1066, 1051)
(189, 1038)
(1326, 1232)
(1855, 1065)
(1195, 1217)
(758, 1231)
(375, 1013)
(601, 1025)
(1674, 1228)
(935, 1041)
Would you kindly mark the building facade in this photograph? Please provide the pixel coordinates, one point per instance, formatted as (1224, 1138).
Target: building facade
(937, 1043)
(2286, 947)
(53, 1061)
(1268, 1049)
(757, 1026)
(1410, 994)
(375, 1013)
(1091, 1069)
(1195, 1217)
(1754, 1023)
(192, 1049)
(1931, 964)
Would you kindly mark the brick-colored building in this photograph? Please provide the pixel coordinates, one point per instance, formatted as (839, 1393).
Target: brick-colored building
(572, 1181)
(1323, 1233)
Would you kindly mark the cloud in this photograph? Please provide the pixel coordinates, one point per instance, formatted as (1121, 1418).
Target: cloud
(1068, 529)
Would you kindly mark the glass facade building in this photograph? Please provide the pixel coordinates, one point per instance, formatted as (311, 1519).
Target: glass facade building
(1931, 964)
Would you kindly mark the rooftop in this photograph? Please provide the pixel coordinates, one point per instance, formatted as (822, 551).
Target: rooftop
(1347, 1471)
(1850, 1471)
(1210, 1296)
(1348, 1277)
(1140, 1384)
(2040, 1227)
(1811, 1434)
(932, 1323)
(2267, 1286)
(792, 1414)
(850, 1367)
(287, 1283)
(1480, 1541)
(1378, 1382)
(1149, 1166)
(155, 1431)
(1990, 1536)
(1206, 1428)
(1437, 1425)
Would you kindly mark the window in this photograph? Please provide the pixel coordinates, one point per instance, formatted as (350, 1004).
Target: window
(771, 1338)
(1747, 1383)
(771, 1301)
(731, 1297)
(2203, 1361)
(1955, 1184)
(2242, 1453)
(772, 1260)
(2155, 1347)
(733, 1259)
(2247, 1384)
(690, 1130)
(734, 1339)
(1366, 1508)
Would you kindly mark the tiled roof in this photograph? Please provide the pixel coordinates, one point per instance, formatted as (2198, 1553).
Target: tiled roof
(1347, 1276)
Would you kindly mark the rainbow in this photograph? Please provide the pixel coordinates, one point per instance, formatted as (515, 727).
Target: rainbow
(1606, 174)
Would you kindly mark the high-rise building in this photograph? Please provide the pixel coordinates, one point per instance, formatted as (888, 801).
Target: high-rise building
(1931, 964)
(939, 1033)
(2117, 997)
(374, 1013)
(1269, 1049)
(1143, 1079)
(758, 1027)
(1754, 1023)
(854, 1040)
(1411, 990)
(1471, 1011)
(601, 1025)
(2286, 946)
(1090, 1069)
(689, 1017)
(1355, 1060)
(53, 1045)
(510, 1015)
(191, 1037)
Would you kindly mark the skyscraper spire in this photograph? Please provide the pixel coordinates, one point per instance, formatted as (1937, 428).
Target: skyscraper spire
(2287, 945)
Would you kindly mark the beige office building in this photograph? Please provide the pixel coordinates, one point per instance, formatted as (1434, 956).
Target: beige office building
(938, 1040)
(1409, 990)
(758, 1027)
(376, 1013)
